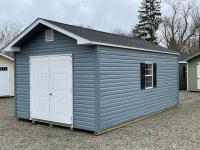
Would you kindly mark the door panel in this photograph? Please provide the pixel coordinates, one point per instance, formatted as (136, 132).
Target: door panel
(39, 81)
(198, 76)
(61, 89)
(4, 80)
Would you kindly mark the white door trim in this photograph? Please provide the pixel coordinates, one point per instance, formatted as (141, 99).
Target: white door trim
(50, 55)
(187, 77)
(40, 56)
(198, 75)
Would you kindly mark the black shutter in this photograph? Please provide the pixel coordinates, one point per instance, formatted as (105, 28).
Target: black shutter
(142, 75)
(154, 75)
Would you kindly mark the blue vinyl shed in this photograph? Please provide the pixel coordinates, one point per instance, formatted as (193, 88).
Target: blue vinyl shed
(89, 79)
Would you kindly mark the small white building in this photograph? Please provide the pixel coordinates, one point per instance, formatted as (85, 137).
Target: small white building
(6, 76)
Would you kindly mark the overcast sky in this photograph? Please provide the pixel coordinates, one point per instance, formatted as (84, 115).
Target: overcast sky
(104, 15)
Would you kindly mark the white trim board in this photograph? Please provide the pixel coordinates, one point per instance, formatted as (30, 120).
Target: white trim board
(70, 54)
(80, 40)
(182, 62)
(133, 48)
(187, 77)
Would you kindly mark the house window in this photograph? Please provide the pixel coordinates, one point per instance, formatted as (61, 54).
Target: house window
(148, 75)
(49, 35)
(184, 72)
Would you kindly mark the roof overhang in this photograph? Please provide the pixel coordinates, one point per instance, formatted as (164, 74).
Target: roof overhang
(80, 40)
(7, 57)
(197, 54)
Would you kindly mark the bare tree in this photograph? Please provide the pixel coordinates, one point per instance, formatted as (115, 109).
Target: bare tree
(179, 29)
(8, 31)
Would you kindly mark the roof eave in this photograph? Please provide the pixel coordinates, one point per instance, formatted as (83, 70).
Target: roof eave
(127, 47)
(80, 40)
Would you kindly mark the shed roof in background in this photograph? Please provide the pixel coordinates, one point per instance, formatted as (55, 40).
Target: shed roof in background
(7, 57)
(193, 56)
(183, 58)
(87, 36)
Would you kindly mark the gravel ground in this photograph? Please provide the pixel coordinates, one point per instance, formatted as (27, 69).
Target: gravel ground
(175, 129)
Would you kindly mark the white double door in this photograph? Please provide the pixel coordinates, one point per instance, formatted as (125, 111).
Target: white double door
(51, 88)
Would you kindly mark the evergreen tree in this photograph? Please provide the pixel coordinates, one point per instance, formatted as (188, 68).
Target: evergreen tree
(149, 20)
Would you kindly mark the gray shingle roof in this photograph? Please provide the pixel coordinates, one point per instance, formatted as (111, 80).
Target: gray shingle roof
(109, 38)
(183, 57)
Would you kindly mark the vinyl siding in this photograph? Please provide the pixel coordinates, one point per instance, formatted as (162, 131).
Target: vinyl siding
(121, 97)
(192, 74)
(5, 61)
(83, 75)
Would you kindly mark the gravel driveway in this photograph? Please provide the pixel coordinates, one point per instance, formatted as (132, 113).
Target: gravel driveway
(175, 129)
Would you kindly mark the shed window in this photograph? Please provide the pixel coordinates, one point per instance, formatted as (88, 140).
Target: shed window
(3, 68)
(49, 35)
(148, 75)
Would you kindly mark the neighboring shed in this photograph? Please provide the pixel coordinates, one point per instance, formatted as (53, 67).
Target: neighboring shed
(183, 71)
(193, 75)
(6, 76)
(90, 79)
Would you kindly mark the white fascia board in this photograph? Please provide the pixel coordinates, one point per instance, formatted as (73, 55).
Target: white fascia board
(134, 48)
(182, 62)
(10, 48)
(5, 56)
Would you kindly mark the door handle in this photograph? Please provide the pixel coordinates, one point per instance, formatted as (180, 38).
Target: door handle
(50, 94)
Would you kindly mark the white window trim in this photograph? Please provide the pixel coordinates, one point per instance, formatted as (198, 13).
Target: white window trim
(147, 63)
